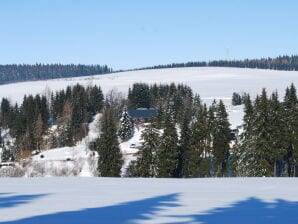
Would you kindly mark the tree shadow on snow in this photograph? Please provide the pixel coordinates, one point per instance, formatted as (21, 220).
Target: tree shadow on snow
(250, 211)
(15, 200)
(121, 213)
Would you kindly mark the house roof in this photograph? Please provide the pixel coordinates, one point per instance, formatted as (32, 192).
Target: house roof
(142, 113)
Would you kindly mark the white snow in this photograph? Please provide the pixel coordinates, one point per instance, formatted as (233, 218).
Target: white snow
(77, 157)
(125, 200)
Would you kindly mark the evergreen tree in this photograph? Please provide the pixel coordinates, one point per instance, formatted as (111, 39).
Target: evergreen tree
(257, 145)
(167, 150)
(198, 158)
(110, 158)
(221, 140)
(126, 129)
(291, 116)
(242, 155)
(145, 165)
(184, 143)
(277, 130)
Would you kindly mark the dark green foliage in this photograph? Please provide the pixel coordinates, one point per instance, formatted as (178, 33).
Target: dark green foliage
(110, 158)
(95, 103)
(184, 147)
(166, 98)
(71, 109)
(126, 128)
(145, 165)
(236, 99)
(221, 139)
(6, 154)
(167, 150)
(291, 118)
(17, 73)
(139, 96)
(198, 158)
(289, 63)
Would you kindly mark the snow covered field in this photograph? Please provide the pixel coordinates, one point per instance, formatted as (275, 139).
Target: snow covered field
(125, 200)
(209, 82)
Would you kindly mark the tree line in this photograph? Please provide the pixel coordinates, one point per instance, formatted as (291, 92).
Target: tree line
(288, 63)
(24, 72)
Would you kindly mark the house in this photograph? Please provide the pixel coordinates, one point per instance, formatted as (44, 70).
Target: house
(142, 114)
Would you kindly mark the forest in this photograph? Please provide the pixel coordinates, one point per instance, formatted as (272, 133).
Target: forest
(24, 72)
(185, 139)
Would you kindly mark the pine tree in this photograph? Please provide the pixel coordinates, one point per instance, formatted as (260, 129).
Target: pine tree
(39, 131)
(65, 137)
(291, 116)
(277, 130)
(198, 157)
(221, 140)
(242, 155)
(184, 147)
(167, 150)
(126, 129)
(6, 153)
(110, 158)
(145, 165)
(256, 146)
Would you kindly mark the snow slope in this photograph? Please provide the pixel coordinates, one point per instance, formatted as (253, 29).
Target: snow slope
(209, 82)
(67, 161)
(125, 200)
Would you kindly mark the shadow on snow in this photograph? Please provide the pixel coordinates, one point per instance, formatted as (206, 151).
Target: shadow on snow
(250, 211)
(15, 200)
(121, 213)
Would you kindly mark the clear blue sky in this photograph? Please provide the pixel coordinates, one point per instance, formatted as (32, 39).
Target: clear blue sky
(137, 33)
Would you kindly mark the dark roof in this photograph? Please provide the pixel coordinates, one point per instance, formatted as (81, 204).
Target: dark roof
(142, 113)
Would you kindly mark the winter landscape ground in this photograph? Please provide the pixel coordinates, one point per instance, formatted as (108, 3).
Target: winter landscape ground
(91, 200)
(130, 200)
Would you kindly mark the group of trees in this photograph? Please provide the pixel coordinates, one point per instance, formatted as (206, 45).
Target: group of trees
(170, 98)
(198, 146)
(71, 110)
(23, 72)
(279, 63)
(194, 144)
(269, 143)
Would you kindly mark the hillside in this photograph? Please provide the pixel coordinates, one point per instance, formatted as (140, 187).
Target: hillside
(210, 82)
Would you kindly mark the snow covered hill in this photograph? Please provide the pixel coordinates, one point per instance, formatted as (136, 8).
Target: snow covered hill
(209, 82)
(130, 200)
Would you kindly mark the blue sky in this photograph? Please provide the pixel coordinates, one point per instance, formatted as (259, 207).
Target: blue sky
(136, 33)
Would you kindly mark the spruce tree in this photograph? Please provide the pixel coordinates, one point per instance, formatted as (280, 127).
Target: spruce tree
(277, 130)
(291, 116)
(167, 150)
(242, 155)
(257, 145)
(126, 129)
(110, 158)
(197, 161)
(184, 142)
(221, 140)
(145, 165)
